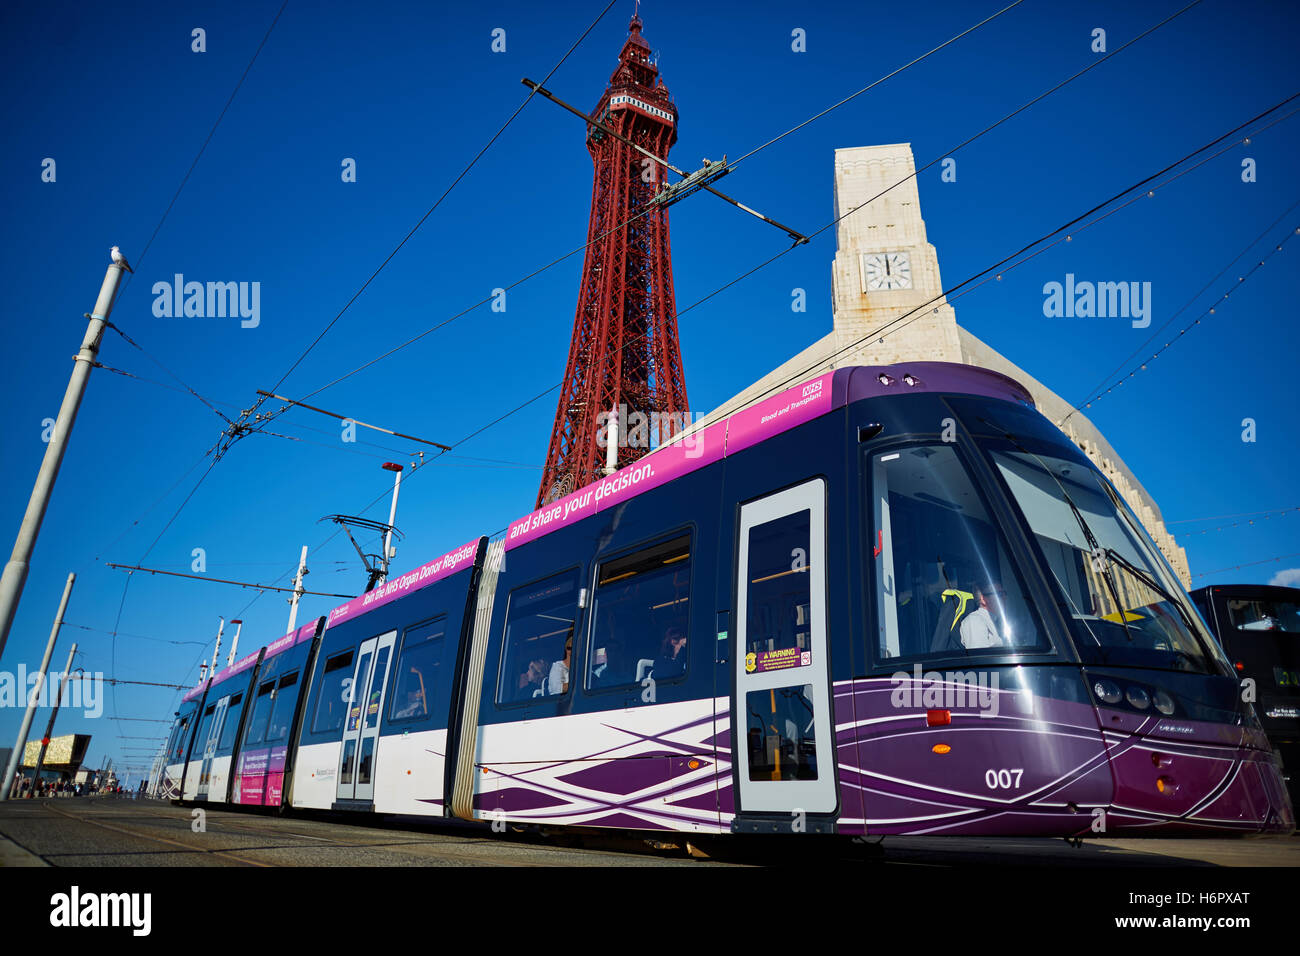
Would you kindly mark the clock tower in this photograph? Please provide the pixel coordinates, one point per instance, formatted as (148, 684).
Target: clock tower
(884, 266)
(882, 280)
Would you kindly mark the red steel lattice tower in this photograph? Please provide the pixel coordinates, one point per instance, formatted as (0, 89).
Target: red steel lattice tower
(624, 353)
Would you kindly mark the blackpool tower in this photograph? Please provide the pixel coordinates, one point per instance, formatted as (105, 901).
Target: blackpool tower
(624, 353)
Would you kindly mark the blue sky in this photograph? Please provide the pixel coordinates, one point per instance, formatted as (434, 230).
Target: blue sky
(118, 99)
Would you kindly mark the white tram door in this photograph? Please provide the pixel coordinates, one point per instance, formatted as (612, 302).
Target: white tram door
(210, 745)
(781, 710)
(361, 728)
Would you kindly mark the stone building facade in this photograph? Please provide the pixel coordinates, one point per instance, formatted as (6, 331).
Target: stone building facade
(884, 267)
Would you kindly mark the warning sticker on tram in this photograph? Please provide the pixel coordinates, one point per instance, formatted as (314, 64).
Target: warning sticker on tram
(777, 660)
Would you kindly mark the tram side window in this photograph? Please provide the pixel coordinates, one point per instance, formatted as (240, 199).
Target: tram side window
(231, 726)
(420, 678)
(778, 600)
(944, 582)
(335, 694)
(261, 711)
(640, 616)
(277, 729)
(536, 652)
(178, 750)
(201, 741)
(782, 742)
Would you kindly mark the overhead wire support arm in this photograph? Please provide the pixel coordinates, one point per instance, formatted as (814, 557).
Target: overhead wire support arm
(345, 418)
(691, 182)
(376, 570)
(203, 577)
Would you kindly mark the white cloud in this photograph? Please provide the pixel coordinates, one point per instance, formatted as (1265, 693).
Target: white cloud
(1290, 578)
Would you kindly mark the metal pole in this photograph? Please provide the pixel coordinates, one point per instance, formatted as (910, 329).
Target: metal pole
(392, 517)
(15, 572)
(21, 743)
(216, 651)
(49, 728)
(297, 590)
(234, 645)
(611, 443)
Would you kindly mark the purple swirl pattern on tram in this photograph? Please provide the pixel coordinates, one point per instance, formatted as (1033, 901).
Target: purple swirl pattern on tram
(1063, 775)
(1066, 772)
(645, 781)
(169, 787)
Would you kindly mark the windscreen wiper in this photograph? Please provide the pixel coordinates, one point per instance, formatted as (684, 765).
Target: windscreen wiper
(1098, 553)
(1150, 582)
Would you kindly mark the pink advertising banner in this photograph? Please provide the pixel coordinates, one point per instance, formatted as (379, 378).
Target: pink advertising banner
(194, 693)
(780, 412)
(292, 639)
(692, 452)
(451, 562)
(242, 664)
(260, 776)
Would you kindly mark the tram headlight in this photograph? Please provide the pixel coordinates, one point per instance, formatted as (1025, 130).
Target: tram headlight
(1164, 703)
(1107, 691)
(1139, 698)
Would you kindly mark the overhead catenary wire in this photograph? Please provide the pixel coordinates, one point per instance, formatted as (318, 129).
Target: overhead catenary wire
(997, 269)
(139, 259)
(1186, 305)
(1250, 521)
(1208, 311)
(1248, 564)
(388, 449)
(235, 429)
(471, 434)
(554, 262)
(414, 229)
(139, 637)
(824, 228)
(947, 153)
(148, 245)
(212, 580)
(870, 86)
(1243, 514)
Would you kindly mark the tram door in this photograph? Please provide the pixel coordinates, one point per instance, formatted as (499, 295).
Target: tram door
(361, 729)
(781, 708)
(210, 745)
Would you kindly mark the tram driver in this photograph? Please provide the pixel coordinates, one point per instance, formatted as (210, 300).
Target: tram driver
(979, 628)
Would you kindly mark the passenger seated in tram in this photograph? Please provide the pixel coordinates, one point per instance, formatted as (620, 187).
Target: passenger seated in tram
(671, 661)
(414, 706)
(531, 680)
(557, 681)
(610, 663)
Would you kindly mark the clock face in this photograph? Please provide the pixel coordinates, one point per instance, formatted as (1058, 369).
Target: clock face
(886, 270)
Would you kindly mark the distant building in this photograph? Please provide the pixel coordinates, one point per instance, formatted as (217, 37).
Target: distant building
(885, 266)
(63, 756)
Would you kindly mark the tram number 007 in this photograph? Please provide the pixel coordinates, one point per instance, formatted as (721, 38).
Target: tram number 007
(1003, 779)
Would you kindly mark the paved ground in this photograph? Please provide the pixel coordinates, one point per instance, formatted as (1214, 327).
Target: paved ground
(99, 832)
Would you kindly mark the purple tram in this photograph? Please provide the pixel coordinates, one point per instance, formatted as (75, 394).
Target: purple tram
(890, 600)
